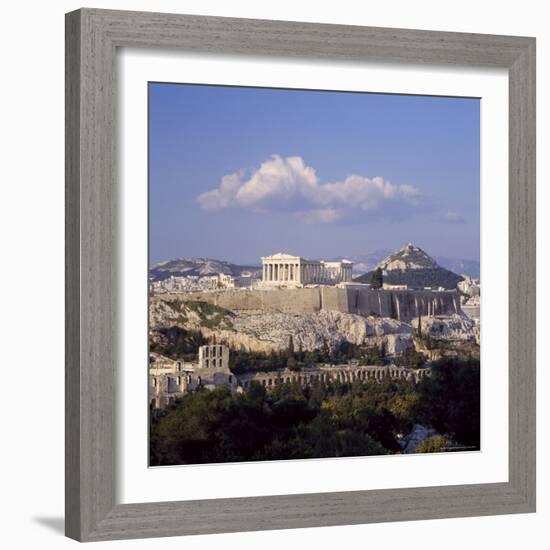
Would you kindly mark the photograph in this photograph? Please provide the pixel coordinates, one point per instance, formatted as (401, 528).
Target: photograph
(314, 274)
(259, 231)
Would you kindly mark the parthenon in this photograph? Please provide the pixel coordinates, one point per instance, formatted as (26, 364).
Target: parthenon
(286, 270)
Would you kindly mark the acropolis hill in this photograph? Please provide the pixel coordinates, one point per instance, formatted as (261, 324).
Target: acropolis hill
(293, 284)
(317, 303)
(414, 286)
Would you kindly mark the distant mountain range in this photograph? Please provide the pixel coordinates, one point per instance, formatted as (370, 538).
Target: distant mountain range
(199, 267)
(413, 267)
(363, 265)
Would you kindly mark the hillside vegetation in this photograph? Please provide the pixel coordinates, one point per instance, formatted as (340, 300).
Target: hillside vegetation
(324, 420)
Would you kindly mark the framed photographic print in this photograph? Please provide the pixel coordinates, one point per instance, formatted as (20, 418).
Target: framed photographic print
(277, 237)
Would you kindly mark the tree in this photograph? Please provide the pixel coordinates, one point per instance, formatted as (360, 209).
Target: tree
(435, 444)
(300, 352)
(449, 400)
(420, 326)
(326, 350)
(291, 364)
(383, 350)
(290, 346)
(377, 279)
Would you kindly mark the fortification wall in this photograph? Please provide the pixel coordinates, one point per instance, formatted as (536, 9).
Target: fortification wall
(405, 304)
(292, 300)
(399, 304)
(335, 299)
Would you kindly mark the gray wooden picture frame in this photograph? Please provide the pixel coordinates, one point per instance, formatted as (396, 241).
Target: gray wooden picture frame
(92, 39)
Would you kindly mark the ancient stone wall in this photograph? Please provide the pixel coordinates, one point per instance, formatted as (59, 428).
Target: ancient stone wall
(405, 304)
(326, 374)
(335, 299)
(398, 304)
(302, 300)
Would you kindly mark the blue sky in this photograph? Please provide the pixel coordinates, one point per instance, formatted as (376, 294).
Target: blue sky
(236, 173)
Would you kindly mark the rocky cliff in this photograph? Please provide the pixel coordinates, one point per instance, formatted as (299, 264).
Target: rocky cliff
(265, 331)
(453, 328)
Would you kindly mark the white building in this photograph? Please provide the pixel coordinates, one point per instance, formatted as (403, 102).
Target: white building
(214, 357)
(226, 281)
(169, 379)
(244, 280)
(286, 270)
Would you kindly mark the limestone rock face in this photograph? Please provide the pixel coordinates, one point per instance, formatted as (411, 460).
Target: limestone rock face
(398, 343)
(163, 314)
(451, 327)
(313, 331)
(408, 257)
(264, 331)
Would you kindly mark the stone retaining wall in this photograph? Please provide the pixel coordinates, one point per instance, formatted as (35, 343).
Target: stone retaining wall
(398, 304)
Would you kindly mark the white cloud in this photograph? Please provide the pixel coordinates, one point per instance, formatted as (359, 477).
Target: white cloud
(290, 184)
(362, 192)
(223, 196)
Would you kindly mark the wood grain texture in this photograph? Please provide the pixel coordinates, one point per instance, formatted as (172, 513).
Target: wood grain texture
(92, 37)
(522, 274)
(72, 277)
